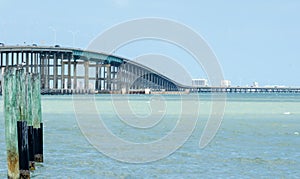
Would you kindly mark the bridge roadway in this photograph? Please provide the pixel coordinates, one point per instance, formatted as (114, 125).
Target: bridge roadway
(71, 70)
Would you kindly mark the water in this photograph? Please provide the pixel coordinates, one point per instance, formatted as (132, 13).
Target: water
(259, 138)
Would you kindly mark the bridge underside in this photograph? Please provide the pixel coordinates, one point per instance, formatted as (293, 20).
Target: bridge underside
(75, 71)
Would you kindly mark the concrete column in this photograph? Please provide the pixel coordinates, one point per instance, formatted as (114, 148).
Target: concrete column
(12, 58)
(27, 61)
(75, 75)
(140, 80)
(108, 77)
(131, 76)
(55, 71)
(123, 76)
(69, 73)
(17, 59)
(120, 77)
(129, 73)
(105, 77)
(7, 59)
(31, 62)
(113, 78)
(100, 77)
(47, 71)
(117, 78)
(160, 82)
(22, 57)
(62, 73)
(36, 63)
(86, 75)
(150, 80)
(147, 79)
(97, 76)
(42, 69)
(134, 76)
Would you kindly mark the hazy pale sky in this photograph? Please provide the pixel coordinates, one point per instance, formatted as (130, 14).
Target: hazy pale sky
(253, 40)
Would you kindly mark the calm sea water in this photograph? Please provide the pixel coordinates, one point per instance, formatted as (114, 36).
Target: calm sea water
(259, 138)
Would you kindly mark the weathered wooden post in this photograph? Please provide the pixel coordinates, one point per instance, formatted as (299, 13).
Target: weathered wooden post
(22, 124)
(31, 139)
(10, 115)
(37, 118)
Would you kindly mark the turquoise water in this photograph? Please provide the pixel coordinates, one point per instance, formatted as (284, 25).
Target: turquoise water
(259, 138)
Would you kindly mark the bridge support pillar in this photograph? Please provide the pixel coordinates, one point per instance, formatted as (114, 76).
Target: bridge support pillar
(62, 73)
(31, 62)
(55, 71)
(42, 71)
(86, 75)
(27, 62)
(12, 58)
(46, 65)
(35, 62)
(97, 76)
(108, 77)
(100, 77)
(69, 73)
(75, 75)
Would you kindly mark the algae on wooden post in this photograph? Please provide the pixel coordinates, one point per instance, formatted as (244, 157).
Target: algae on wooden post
(22, 124)
(21, 93)
(36, 101)
(28, 118)
(28, 99)
(37, 118)
(11, 117)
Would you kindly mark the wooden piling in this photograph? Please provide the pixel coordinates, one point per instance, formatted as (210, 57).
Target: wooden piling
(22, 123)
(28, 117)
(37, 118)
(10, 113)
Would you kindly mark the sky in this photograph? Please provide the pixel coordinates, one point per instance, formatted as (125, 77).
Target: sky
(254, 41)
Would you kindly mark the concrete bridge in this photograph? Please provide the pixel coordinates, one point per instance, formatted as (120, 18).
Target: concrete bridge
(71, 70)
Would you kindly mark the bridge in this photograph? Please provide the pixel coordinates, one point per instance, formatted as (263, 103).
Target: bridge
(71, 71)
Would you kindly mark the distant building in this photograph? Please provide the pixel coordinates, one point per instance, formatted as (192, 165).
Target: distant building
(199, 82)
(225, 83)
